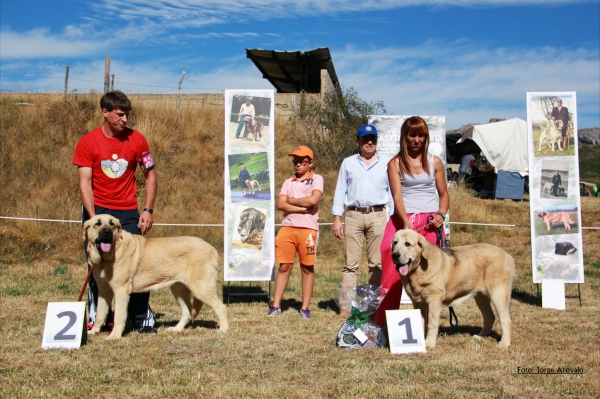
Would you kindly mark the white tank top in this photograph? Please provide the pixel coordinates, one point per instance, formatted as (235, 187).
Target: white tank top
(419, 191)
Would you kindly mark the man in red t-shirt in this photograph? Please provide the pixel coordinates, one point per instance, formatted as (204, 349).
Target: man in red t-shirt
(107, 158)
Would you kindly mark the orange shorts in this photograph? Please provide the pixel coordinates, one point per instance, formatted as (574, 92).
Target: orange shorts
(290, 240)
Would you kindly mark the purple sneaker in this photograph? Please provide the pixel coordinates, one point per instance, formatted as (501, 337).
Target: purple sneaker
(273, 311)
(305, 313)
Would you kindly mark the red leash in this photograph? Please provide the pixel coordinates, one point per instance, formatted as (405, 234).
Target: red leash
(87, 279)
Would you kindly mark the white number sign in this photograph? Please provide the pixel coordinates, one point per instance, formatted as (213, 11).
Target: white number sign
(65, 325)
(405, 330)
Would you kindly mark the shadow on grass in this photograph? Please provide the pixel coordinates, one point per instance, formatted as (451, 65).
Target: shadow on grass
(329, 305)
(208, 324)
(290, 304)
(525, 297)
(245, 294)
(467, 330)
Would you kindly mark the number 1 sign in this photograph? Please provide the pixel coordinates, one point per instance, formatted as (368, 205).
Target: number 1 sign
(65, 325)
(405, 330)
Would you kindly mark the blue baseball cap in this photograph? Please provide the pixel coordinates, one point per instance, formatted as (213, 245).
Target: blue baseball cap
(366, 130)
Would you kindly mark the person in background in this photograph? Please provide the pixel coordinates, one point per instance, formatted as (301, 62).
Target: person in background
(247, 109)
(363, 187)
(244, 175)
(107, 158)
(416, 178)
(562, 113)
(467, 164)
(556, 182)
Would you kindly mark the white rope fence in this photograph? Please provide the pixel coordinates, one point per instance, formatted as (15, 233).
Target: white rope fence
(222, 225)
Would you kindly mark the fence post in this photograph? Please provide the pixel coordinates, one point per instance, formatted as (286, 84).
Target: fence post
(106, 74)
(178, 90)
(66, 83)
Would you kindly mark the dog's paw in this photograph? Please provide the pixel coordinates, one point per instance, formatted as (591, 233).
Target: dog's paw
(112, 337)
(174, 329)
(503, 344)
(477, 337)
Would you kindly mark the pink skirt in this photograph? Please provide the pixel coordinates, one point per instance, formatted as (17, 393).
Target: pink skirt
(391, 285)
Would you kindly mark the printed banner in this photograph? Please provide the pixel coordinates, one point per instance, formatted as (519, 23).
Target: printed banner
(388, 140)
(249, 185)
(556, 240)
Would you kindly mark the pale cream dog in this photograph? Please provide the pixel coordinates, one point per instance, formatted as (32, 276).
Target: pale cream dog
(123, 263)
(253, 186)
(552, 134)
(435, 277)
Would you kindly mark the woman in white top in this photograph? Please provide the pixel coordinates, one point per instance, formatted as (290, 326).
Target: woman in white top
(417, 179)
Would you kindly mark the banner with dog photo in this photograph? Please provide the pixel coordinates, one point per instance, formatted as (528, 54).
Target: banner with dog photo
(555, 210)
(249, 234)
(388, 140)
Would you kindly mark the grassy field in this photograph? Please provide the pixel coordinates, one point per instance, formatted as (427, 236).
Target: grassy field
(259, 357)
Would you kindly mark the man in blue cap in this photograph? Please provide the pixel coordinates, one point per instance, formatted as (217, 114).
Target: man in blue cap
(363, 187)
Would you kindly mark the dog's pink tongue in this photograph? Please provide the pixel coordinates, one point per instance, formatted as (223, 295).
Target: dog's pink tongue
(105, 247)
(403, 270)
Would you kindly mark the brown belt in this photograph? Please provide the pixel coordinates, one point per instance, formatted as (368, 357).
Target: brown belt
(368, 209)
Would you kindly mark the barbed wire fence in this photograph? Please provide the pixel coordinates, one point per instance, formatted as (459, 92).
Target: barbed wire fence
(204, 95)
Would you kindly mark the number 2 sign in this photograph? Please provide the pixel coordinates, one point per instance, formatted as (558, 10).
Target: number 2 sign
(405, 330)
(65, 325)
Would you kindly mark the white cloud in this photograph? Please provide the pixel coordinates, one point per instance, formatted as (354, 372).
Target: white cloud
(40, 43)
(184, 12)
(469, 83)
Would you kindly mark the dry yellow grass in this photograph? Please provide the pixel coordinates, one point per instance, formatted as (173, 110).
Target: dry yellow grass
(259, 357)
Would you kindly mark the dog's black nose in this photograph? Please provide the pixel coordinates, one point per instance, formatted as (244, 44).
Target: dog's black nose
(105, 234)
(395, 257)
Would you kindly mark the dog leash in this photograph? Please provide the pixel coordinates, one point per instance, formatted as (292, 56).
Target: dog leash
(441, 243)
(455, 317)
(87, 279)
(429, 222)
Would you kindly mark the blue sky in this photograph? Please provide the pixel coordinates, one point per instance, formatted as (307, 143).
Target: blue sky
(469, 60)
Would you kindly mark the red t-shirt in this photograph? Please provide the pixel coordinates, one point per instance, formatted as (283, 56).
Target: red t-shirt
(113, 163)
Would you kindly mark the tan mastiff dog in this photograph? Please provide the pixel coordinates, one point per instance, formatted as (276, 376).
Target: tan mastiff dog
(123, 263)
(435, 277)
(551, 218)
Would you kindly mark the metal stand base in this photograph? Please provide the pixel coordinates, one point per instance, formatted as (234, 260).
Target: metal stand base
(248, 294)
(539, 294)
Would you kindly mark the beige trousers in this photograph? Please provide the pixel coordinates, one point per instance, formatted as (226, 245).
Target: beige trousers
(361, 227)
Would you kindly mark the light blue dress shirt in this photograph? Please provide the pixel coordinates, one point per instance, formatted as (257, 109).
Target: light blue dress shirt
(360, 186)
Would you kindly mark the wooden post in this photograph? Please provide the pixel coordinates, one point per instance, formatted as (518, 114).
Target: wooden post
(178, 90)
(112, 82)
(66, 83)
(106, 74)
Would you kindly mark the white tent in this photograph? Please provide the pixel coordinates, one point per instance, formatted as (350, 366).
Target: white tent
(504, 144)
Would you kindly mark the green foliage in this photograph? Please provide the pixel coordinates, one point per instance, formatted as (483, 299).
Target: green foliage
(589, 163)
(331, 123)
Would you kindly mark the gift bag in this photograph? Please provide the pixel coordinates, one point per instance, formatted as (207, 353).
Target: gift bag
(359, 331)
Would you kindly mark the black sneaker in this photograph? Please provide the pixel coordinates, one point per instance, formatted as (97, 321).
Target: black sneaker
(147, 330)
